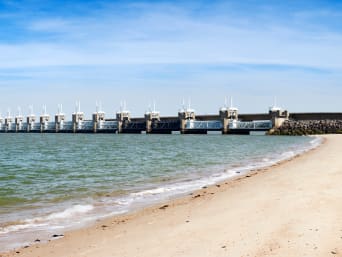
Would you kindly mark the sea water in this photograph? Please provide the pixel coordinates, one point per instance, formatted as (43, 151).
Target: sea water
(50, 183)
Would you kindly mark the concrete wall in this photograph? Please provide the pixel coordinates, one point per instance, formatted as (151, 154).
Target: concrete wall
(316, 116)
(254, 116)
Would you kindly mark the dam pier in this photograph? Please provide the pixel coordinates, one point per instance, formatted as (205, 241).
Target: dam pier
(227, 121)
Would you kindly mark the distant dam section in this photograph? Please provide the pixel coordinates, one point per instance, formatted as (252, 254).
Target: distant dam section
(228, 121)
(297, 116)
(316, 116)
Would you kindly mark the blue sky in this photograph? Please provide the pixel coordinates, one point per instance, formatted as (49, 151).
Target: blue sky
(55, 52)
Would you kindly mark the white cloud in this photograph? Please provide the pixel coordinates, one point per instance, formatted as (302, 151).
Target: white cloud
(168, 38)
(120, 54)
(49, 25)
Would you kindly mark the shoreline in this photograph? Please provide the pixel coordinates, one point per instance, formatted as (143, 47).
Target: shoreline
(202, 197)
(83, 214)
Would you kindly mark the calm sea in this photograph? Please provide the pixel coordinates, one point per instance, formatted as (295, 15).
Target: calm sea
(50, 183)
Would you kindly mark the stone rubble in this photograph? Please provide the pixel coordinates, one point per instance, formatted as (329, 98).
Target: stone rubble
(309, 127)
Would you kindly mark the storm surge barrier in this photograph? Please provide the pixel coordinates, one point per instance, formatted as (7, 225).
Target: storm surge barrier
(228, 121)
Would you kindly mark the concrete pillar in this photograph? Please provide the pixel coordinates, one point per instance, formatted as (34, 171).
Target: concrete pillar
(122, 117)
(184, 116)
(98, 119)
(228, 115)
(278, 116)
(77, 119)
(31, 119)
(59, 121)
(150, 118)
(8, 123)
(44, 119)
(225, 120)
(18, 123)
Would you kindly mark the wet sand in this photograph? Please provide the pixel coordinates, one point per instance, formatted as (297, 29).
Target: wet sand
(290, 209)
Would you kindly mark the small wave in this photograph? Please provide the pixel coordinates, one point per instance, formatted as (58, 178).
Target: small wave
(76, 209)
(287, 155)
(316, 141)
(46, 221)
(155, 191)
(15, 228)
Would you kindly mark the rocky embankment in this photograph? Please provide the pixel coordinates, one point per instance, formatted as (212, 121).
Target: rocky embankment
(309, 127)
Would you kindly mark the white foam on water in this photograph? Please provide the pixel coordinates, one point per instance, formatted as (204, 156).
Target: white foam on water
(155, 191)
(74, 210)
(316, 141)
(47, 221)
(15, 228)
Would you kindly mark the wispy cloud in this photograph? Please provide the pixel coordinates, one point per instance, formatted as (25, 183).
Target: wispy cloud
(174, 44)
(176, 36)
(50, 25)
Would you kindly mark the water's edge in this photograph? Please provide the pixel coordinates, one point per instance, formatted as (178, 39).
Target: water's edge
(156, 196)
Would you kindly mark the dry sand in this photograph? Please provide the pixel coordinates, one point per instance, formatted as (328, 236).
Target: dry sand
(291, 209)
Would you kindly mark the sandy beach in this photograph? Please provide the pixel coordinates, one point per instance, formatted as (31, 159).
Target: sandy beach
(290, 209)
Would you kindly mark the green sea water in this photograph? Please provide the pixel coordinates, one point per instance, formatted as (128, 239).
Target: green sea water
(53, 182)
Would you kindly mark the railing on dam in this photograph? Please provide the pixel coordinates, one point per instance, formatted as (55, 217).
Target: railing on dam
(172, 125)
(204, 125)
(50, 126)
(216, 125)
(35, 127)
(87, 125)
(136, 126)
(108, 125)
(251, 125)
(139, 126)
(66, 126)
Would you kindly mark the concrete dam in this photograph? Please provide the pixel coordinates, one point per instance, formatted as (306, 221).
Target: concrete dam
(227, 121)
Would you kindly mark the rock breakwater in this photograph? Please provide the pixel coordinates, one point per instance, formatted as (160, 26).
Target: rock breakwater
(309, 127)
